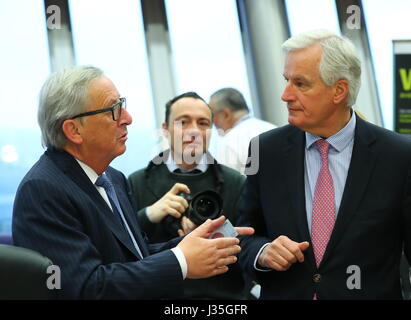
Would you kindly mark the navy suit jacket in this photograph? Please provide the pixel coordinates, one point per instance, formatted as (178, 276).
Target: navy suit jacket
(59, 213)
(372, 226)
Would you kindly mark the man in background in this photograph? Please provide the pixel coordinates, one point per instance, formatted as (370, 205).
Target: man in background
(187, 167)
(234, 122)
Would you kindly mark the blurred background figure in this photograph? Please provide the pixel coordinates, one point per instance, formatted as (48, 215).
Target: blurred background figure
(234, 122)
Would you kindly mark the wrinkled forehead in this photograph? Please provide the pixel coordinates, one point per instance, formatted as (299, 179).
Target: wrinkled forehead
(102, 92)
(303, 62)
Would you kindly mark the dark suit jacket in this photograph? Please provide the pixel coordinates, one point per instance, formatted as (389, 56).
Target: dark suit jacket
(373, 223)
(59, 213)
(150, 184)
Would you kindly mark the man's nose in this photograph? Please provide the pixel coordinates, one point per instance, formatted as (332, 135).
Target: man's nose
(193, 131)
(125, 117)
(288, 94)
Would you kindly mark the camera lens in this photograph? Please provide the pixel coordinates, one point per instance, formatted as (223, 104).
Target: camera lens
(205, 205)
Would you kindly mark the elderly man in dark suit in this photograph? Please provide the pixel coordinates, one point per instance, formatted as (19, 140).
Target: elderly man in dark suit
(331, 202)
(75, 209)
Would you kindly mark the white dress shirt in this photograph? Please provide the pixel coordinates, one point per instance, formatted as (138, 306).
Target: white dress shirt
(233, 146)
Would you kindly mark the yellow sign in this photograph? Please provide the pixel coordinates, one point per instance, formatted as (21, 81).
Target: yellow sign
(405, 79)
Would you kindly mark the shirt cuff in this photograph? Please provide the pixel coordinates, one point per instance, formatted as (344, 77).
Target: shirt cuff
(181, 260)
(256, 258)
(147, 212)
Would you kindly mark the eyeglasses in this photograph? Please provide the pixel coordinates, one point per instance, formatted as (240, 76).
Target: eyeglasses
(115, 110)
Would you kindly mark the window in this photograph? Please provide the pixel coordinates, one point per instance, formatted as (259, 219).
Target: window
(386, 21)
(314, 14)
(111, 37)
(207, 47)
(24, 67)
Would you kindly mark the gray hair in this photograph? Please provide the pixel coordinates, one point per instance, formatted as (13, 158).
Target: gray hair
(63, 95)
(338, 61)
(230, 98)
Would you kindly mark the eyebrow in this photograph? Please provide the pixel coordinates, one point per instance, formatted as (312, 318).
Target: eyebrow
(297, 78)
(113, 101)
(188, 116)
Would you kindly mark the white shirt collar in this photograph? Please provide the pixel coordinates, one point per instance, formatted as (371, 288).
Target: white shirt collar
(202, 166)
(243, 118)
(91, 174)
(340, 140)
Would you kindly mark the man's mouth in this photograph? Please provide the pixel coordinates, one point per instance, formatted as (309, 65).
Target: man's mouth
(191, 143)
(124, 136)
(294, 108)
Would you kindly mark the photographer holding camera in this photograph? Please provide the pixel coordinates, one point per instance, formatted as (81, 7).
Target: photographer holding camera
(184, 186)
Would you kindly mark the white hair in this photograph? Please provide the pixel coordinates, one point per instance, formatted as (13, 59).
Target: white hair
(338, 61)
(63, 95)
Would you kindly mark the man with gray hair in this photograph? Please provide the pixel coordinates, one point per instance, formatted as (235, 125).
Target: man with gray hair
(75, 209)
(331, 202)
(232, 118)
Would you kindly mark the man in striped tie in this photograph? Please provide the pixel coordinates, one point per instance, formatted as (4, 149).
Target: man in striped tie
(331, 202)
(75, 209)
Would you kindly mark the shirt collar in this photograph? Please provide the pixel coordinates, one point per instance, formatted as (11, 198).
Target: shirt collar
(243, 118)
(91, 174)
(340, 140)
(171, 165)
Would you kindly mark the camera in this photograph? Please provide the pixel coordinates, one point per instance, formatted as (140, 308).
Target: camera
(202, 206)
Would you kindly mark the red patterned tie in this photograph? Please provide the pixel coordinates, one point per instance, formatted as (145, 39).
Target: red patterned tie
(323, 215)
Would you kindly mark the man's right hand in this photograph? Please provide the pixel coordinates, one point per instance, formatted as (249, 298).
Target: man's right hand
(209, 257)
(282, 253)
(169, 204)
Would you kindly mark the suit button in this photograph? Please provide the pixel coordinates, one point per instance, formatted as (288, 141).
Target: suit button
(317, 278)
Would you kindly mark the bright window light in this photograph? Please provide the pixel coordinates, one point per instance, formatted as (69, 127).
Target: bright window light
(386, 21)
(24, 66)
(306, 15)
(110, 36)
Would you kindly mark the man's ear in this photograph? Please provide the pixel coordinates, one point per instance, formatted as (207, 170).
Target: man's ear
(226, 113)
(341, 91)
(165, 129)
(71, 131)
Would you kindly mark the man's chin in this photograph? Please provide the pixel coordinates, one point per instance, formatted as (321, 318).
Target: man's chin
(121, 150)
(193, 153)
(293, 120)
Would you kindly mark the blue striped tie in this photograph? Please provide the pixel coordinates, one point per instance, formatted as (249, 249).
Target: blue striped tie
(104, 181)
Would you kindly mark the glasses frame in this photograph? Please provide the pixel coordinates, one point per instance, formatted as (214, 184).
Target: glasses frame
(90, 113)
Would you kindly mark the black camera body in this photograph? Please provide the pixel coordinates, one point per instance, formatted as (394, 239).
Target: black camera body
(202, 206)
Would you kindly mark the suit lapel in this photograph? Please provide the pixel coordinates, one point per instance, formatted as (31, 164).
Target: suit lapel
(361, 166)
(72, 169)
(294, 148)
